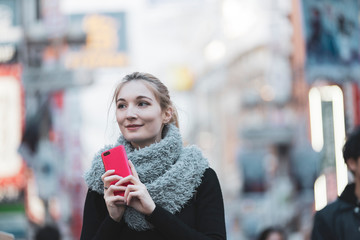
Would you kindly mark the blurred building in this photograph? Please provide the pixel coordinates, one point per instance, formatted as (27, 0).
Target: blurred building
(256, 99)
(259, 97)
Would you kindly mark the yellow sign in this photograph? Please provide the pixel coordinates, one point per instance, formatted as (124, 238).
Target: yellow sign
(101, 45)
(183, 78)
(95, 60)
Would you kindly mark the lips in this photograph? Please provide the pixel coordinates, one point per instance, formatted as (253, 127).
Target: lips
(133, 126)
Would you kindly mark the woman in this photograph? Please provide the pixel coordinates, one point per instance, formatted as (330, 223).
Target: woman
(173, 193)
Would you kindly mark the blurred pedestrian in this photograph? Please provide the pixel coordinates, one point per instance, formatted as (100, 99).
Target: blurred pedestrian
(48, 232)
(341, 218)
(173, 193)
(272, 233)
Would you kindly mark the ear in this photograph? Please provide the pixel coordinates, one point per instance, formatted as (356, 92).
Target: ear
(352, 164)
(167, 115)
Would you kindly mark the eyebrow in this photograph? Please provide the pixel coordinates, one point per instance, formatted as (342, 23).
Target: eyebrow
(138, 97)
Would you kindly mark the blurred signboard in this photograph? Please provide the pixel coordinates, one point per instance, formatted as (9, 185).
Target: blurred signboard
(12, 176)
(10, 32)
(332, 39)
(53, 19)
(106, 43)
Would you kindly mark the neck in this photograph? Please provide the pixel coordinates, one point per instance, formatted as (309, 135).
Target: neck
(357, 188)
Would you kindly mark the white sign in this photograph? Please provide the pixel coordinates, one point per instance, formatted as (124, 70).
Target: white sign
(10, 126)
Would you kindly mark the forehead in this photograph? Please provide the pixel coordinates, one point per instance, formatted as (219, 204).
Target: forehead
(136, 88)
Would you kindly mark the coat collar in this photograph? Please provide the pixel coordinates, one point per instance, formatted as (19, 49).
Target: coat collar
(348, 195)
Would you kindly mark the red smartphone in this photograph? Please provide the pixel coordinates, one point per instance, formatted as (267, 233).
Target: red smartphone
(116, 159)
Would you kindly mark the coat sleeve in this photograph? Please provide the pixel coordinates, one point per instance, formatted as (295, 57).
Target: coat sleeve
(97, 224)
(210, 220)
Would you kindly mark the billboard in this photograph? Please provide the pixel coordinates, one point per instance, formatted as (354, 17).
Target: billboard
(106, 42)
(332, 39)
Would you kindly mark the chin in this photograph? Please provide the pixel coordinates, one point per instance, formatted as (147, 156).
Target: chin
(133, 139)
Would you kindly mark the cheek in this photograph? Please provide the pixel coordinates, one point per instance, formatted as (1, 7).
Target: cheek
(152, 116)
(119, 117)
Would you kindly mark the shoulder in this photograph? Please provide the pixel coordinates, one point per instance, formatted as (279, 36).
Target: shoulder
(208, 196)
(209, 180)
(330, 210)
(332, 220)
(94, 202)
(209, 175)
(331, 207)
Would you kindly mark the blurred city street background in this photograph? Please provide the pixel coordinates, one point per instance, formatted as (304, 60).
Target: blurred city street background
(267, 89)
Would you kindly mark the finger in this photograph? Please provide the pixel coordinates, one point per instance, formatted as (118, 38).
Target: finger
(107, 173)
(129, 179)
(119, 203)
(116, 200)
(133, 170)
(130, 189)
(109, 193)
(113, 198)
(113, 188)
(119, 188)
(134, 194)
(113, 178)
(129, 197)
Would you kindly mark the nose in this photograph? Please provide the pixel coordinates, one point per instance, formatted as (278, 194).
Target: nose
(131, 112)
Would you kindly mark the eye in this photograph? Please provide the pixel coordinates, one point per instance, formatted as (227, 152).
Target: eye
(121, 106)
(143, 104)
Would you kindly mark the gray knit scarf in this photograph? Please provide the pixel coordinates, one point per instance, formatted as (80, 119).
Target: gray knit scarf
(170, 172)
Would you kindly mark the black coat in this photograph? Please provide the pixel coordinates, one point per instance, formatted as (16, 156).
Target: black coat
(339, 220)
(201, 218)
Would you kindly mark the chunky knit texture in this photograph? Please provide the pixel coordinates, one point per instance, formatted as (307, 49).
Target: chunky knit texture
(170, 172)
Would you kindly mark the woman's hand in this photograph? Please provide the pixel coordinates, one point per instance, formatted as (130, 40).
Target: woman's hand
(114, 203)
(136, 194)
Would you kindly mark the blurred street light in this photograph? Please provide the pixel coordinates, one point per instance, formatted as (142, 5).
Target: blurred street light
(316, 126)
(320, 192)
(331, 94)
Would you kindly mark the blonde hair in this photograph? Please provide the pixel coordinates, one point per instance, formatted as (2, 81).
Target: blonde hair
(160, 91)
